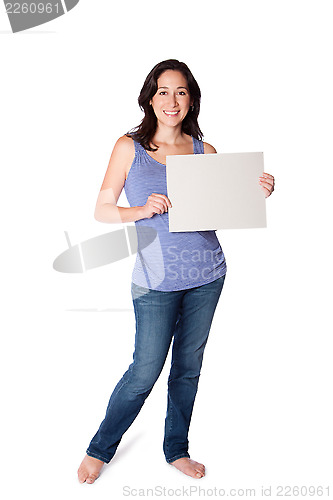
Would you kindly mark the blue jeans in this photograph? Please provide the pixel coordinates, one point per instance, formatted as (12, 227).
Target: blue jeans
(185, 316)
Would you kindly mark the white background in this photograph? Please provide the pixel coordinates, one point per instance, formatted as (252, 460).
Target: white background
(69, 88)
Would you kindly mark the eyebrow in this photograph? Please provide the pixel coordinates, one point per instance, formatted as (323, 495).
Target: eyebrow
(177, 88)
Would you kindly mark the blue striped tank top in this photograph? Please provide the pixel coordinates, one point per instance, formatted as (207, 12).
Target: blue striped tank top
(172, 261)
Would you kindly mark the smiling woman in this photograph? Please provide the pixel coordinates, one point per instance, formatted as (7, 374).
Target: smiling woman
(172, 101)
(176, 281)
(169, 87)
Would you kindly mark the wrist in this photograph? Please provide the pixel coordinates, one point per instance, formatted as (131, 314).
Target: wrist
(140, 213)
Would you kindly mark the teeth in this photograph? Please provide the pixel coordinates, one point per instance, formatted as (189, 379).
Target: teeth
(171, 112)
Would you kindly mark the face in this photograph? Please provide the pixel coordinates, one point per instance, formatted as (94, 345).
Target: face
(172, 99)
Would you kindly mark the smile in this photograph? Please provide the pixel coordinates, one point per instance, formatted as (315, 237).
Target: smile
(171, 113)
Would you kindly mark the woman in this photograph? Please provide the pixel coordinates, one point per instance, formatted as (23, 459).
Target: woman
(177, 279)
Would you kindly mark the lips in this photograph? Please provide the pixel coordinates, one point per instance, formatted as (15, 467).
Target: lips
(171, 113)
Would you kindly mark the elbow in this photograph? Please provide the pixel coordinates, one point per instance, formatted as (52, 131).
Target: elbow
(97, 214)
(105, 213)
(99, 218)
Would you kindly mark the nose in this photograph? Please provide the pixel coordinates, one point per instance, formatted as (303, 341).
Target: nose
(173, 100)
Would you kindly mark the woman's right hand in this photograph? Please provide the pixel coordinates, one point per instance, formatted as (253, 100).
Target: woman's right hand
(155, 204)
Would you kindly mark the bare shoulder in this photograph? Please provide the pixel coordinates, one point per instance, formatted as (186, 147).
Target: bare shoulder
(124, 146)
(120, 162)
(208, 148)
(123, 154)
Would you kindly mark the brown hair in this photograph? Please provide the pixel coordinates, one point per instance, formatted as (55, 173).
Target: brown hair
(144, 132)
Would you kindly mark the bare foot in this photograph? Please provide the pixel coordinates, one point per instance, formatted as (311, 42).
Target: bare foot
(189, 467)
(89, 469)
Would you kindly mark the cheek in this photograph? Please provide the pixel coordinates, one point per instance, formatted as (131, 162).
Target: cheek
(154, 104)
(187, 102)
(157, 99)
(159, 105)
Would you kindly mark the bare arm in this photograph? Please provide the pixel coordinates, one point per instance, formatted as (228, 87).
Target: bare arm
(106, 206)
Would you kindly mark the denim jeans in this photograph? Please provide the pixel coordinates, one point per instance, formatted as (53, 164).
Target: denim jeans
(185, 316)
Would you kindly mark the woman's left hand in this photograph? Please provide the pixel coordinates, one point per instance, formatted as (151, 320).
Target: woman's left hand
(267, 184)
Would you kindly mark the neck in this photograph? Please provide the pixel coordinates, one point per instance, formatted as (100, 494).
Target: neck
(168, 135)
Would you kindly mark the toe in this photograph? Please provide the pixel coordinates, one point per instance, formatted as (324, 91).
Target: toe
(91, 479)
(200, 470)
(82, 476)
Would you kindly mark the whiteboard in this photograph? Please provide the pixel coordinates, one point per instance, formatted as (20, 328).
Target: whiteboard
(215, 191)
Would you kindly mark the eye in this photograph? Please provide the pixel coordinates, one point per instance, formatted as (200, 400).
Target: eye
(182, 92)
(162, 92)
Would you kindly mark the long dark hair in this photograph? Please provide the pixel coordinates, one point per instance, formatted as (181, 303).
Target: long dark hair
(144, 132)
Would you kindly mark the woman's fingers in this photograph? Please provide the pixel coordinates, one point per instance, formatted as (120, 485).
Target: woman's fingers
(267, 182)
(158, 208)
(163, 197)
(160, 201)
(157, 204)
(266, 190)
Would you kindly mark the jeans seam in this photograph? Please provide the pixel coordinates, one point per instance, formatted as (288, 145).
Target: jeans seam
(122, 385)
(181, 455)
(96, 455)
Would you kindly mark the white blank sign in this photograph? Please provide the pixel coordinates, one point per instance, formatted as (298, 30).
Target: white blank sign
(215, 191)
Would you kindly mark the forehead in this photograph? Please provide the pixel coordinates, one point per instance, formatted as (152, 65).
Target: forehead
(172, 78)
